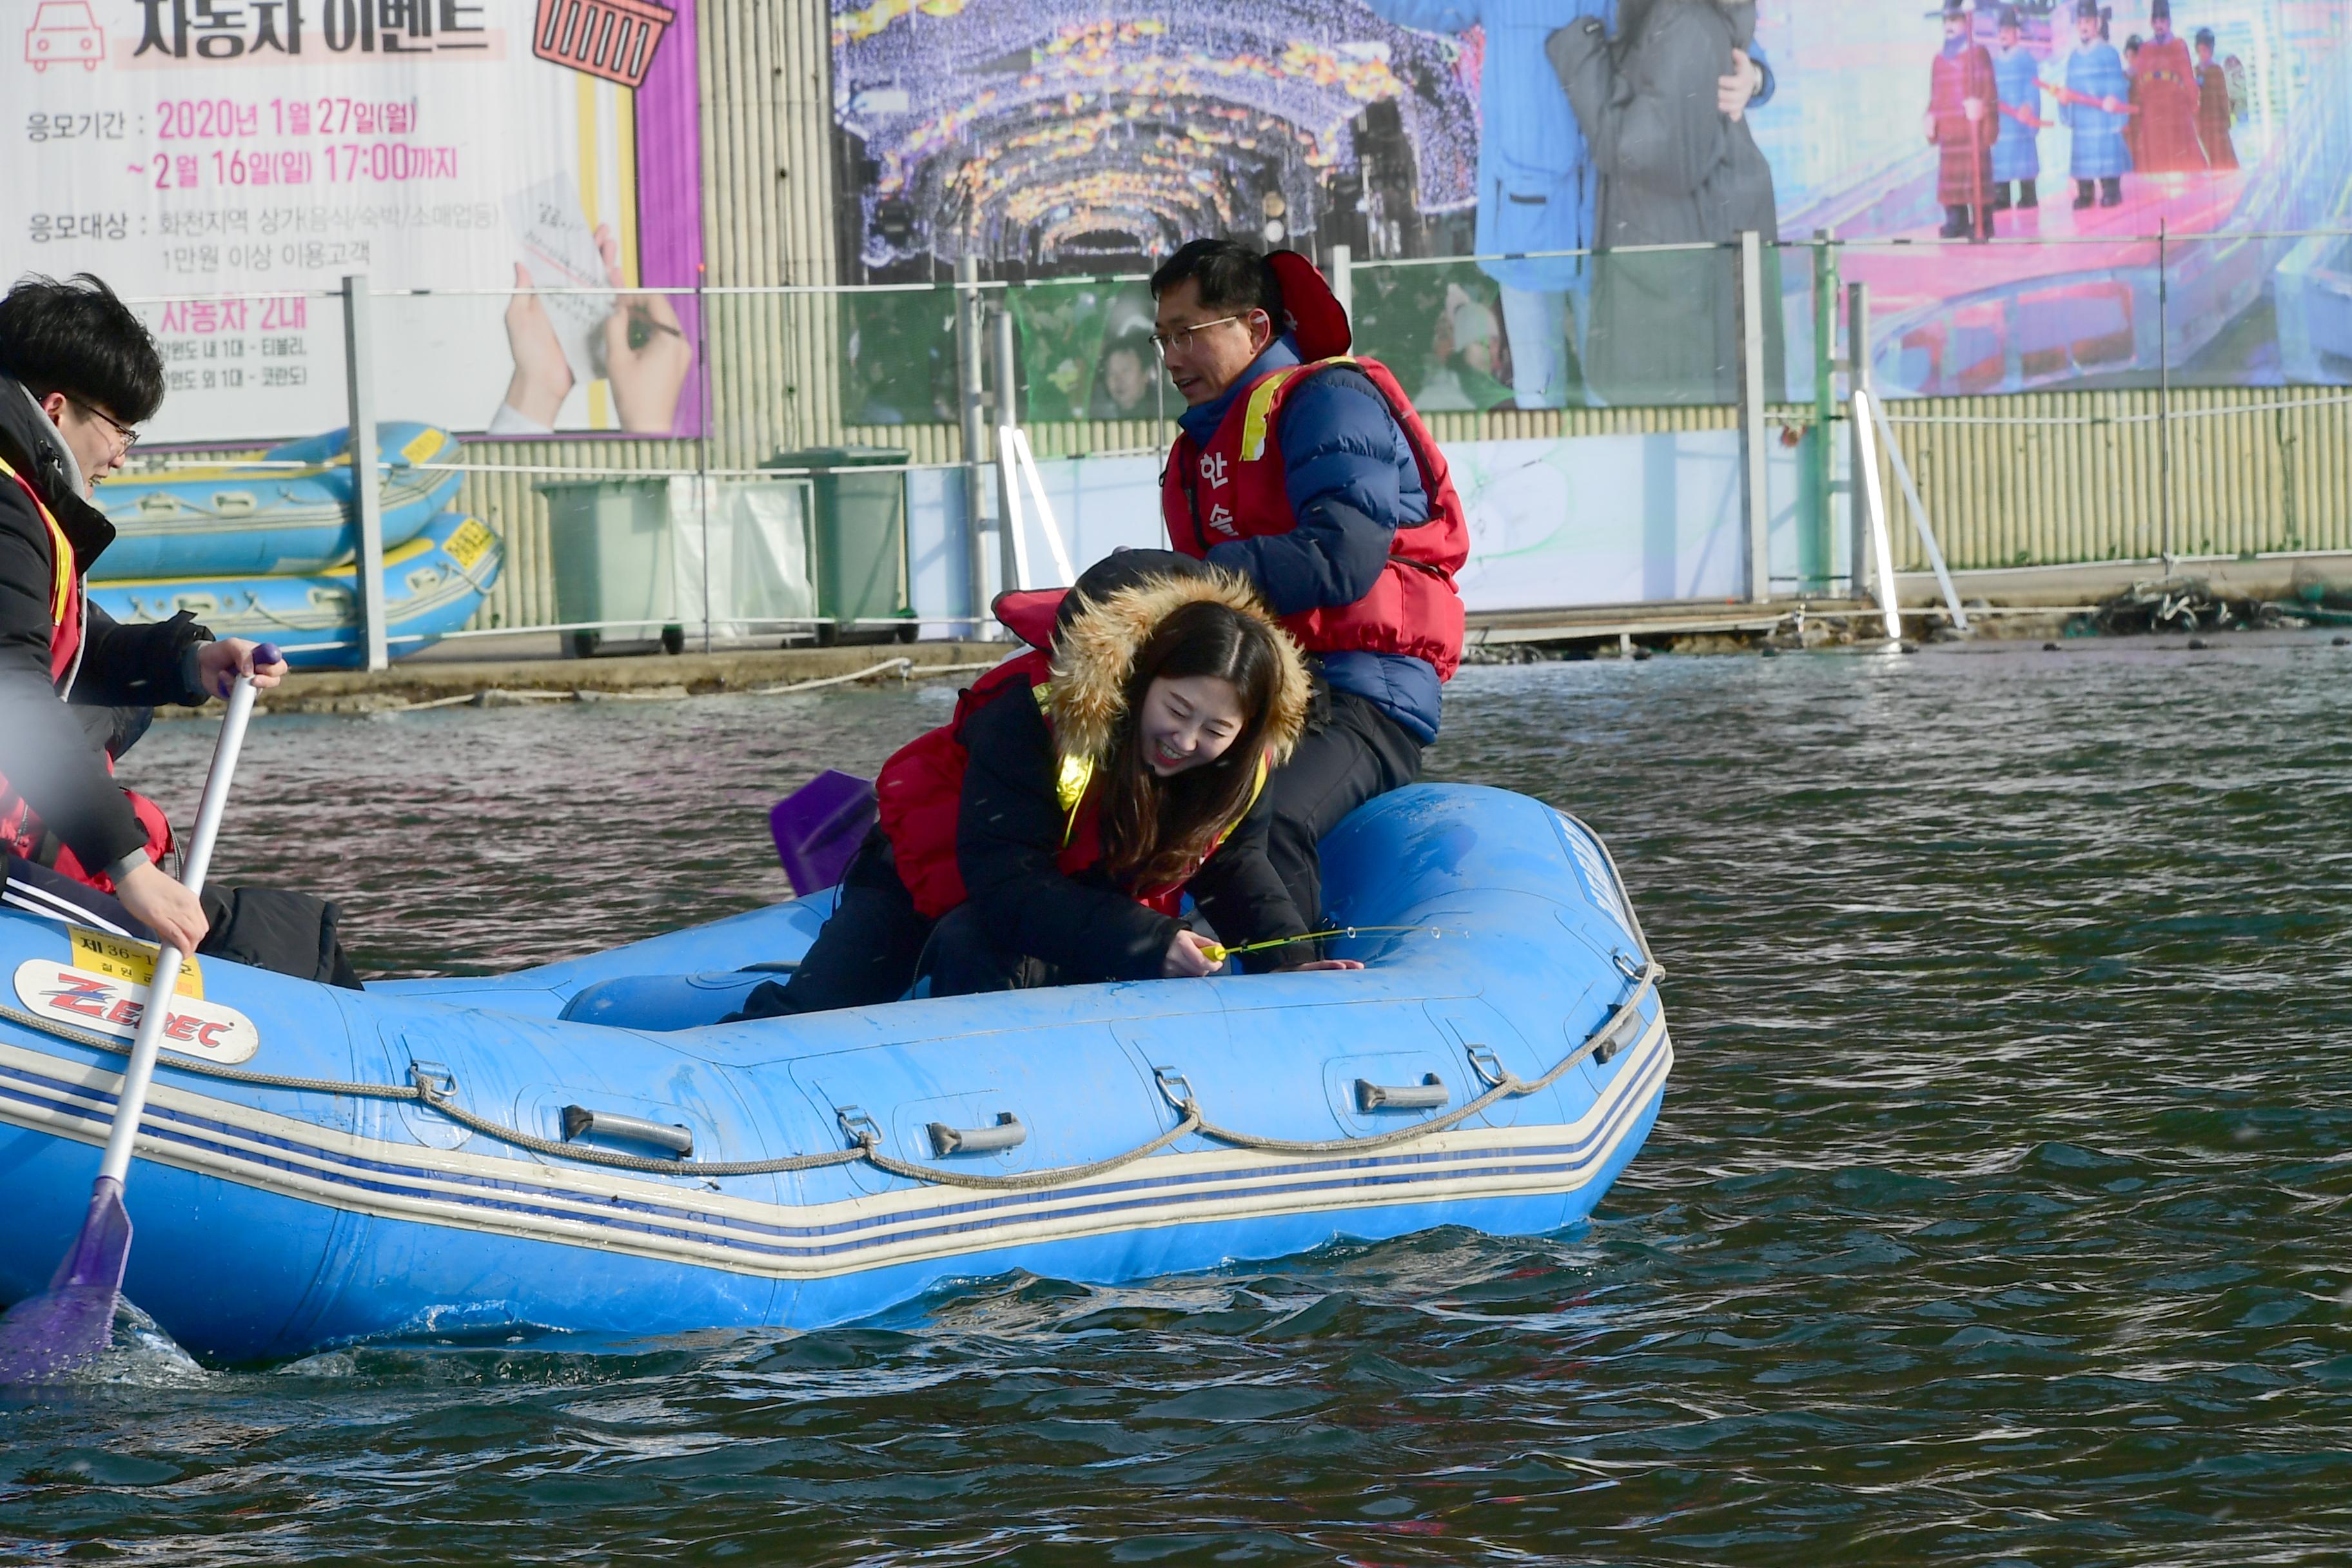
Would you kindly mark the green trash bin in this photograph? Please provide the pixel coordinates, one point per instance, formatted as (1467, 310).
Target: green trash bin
(861, 541)
(609, 543)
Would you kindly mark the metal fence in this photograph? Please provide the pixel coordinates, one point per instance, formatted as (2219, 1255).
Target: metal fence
(2066, 407)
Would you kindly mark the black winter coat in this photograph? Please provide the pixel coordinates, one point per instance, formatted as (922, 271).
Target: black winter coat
(55, 758)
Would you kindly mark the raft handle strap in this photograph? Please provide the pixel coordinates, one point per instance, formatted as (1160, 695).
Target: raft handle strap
(866, 1138)
(1429, 1094)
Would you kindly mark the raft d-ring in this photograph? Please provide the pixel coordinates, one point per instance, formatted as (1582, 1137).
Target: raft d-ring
(1170, 1082)
(859, 1127)
(1627, 964)
(1485, 1064)
(437, 1081)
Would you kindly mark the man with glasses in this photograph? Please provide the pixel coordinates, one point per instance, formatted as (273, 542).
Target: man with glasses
(1310, 474)
(78, 373)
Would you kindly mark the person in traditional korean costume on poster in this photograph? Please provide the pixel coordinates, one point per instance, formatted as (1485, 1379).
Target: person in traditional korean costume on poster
(2215, 110)
(2163, 83)
(1962, 105)
(2017, 147)
(2094, 107)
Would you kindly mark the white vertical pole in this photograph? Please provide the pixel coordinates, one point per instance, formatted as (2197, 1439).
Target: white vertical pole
(1027, 460)
(1919, 516)
(1857, 359)
(1009, 509)
(1874, 491)
(1754, 473)
(971, 357)
(359, 371)
(1010, 550)
(1343, 280)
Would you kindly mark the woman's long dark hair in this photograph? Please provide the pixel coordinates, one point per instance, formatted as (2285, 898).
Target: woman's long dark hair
(1156, 831)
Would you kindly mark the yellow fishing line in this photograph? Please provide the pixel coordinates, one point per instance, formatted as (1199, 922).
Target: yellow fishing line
(1218, 953)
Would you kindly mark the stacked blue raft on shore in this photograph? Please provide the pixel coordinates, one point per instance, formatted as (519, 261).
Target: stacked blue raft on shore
(265, 549)
(585, 1147)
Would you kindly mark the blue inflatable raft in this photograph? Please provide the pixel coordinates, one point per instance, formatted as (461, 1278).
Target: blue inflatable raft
(432, 585)
(290, 511)
(581, 1147)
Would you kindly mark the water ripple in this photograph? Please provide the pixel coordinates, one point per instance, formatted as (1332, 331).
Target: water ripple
(1996, 1215)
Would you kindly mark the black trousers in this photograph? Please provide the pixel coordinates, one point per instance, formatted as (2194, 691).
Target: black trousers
(877, 943)
(1347, 755)
(288, 933)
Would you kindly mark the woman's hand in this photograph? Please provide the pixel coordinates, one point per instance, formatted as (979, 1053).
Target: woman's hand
(1187, 958)
(542, 376)
(1325, 964)
(646, 355)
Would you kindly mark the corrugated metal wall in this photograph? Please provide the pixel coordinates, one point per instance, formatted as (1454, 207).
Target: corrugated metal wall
(2073, 476)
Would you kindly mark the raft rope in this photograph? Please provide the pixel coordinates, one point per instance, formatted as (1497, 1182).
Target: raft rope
(425, 1088)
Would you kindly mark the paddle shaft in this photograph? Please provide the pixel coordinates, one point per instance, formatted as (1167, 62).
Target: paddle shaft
(131, 1101)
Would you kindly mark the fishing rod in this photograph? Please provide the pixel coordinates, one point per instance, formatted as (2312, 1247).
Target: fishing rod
(1217, 952)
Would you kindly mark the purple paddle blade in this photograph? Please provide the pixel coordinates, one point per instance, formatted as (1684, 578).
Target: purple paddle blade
(819, 826)
(67, 1325)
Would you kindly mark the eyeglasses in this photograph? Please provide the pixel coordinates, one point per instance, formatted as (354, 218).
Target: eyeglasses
(130, 436)
(1180, 340)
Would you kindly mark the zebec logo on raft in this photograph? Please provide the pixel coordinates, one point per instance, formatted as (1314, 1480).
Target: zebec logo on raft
(103, 1004)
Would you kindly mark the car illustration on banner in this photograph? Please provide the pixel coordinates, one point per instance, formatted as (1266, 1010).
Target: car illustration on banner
(64, 33)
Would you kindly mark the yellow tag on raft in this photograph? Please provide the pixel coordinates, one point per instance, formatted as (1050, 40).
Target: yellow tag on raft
(468, 544)
(120, 958)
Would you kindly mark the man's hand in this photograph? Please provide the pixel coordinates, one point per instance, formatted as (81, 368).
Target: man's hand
(1735, 92)
(542, 376)
(1185, 959)
(1974, 107)
(162, 905)
(219, 663)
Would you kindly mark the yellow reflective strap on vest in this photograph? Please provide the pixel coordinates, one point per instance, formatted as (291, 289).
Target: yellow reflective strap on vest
(60, 552)
(1076, 772)
(1256, 412)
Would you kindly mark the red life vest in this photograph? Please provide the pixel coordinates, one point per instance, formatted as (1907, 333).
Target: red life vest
(21, 833)
(920, 793)
(1235, 489)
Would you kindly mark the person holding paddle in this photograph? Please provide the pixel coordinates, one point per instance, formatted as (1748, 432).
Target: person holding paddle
(77, 375)
(1049, 834)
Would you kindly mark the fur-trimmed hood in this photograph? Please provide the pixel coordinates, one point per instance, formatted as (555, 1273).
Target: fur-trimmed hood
(1095, 653)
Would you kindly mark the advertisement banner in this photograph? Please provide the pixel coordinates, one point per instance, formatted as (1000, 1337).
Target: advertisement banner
(2149, 173)
(221, 162)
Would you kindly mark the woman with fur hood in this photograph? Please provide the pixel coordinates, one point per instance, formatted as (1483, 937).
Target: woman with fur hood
(1048, 833)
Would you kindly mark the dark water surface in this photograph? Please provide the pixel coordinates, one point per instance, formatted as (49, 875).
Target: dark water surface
(1997, 1214)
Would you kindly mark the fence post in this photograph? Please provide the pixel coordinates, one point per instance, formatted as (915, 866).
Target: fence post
(1817, 570)
(1343, 280)
(1755, 476)
(1006, 366)
(971, 355)
(2163, 388)
(359, 371)
(1857, 359)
